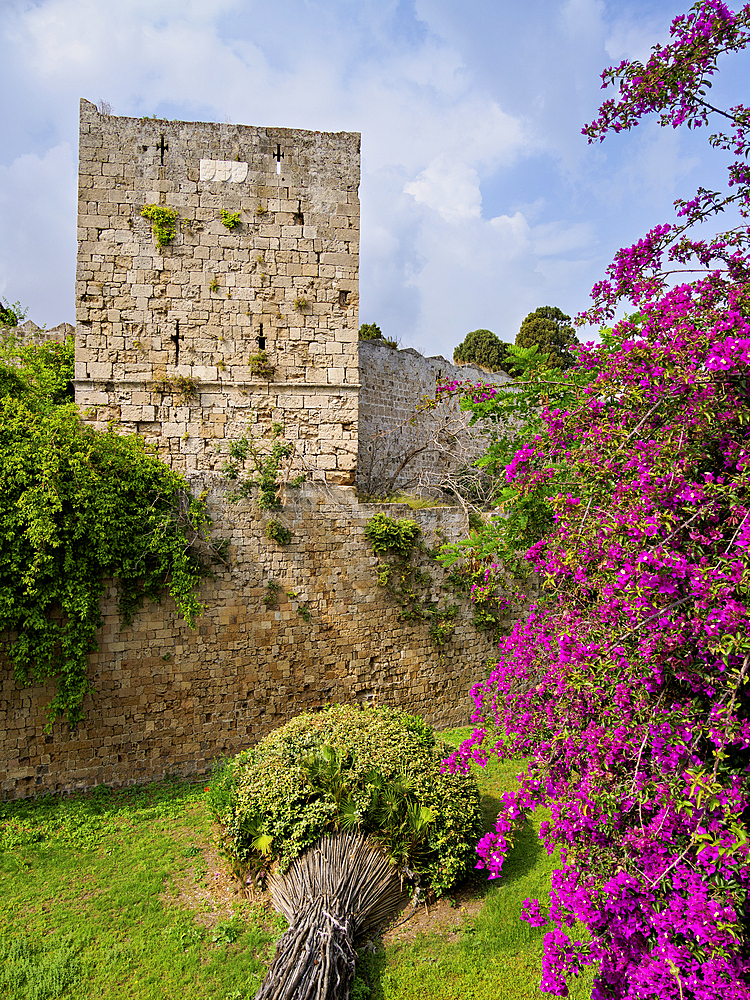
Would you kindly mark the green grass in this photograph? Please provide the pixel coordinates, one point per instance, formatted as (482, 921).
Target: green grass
(109, 895)
(495, 954)
(85, 908)
(409, 499)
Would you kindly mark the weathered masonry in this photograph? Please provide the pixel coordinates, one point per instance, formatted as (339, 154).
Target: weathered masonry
(248, 316)
(285, 630)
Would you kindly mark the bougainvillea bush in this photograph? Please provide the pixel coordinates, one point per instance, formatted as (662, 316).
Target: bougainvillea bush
(626, 687)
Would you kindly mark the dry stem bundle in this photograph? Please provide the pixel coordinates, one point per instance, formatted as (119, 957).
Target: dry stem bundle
(342, 886)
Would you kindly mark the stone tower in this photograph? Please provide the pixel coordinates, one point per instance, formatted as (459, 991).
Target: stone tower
(246, 317)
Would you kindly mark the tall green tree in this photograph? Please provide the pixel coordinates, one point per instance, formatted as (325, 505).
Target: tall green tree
(550, 329)
(485, 349)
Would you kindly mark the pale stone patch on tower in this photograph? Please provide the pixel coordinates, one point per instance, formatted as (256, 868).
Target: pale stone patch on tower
(223, 170)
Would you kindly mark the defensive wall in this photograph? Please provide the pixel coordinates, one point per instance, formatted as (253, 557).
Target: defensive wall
(30, 333)
(229, 331)
(169, 700)
(404, 441)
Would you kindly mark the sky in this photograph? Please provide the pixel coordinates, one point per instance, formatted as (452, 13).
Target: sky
(480, 198)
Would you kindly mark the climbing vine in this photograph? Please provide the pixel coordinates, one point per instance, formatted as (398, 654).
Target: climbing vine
(398, 541)
(265, 468)
(80, 506)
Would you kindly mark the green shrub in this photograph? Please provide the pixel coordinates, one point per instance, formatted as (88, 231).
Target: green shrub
(231, 219)
(277, 532)
(260, 366)
(164, 222)
(483, 348)
(38, 375)
(377, 769)
(11, 314)
(370, 331)
(389, 534)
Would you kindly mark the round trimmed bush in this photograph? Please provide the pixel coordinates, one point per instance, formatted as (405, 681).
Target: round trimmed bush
(373, 769)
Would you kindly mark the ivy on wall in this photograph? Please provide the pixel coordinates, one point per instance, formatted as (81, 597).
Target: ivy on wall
(397, 539)
(79, 506)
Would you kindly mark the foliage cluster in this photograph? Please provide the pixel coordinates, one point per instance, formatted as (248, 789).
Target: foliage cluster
(231, 219)
(271, 591)
(260, 366)
(184, 387)
(79, 506)
(39, 375)
(549, 329)
(397, 535)
(371, 331)
(266, 467)
(674, 83)
(398, 540)
(11, 314)
(164, 222)
(485, 349)
(627, 686)
(490, 565)
(511, 415)
(278, 532)
(377, 769)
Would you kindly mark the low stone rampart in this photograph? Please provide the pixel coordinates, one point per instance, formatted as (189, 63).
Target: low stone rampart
(170, 700)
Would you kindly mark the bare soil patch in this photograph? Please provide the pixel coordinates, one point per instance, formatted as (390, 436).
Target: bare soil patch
(445, 916)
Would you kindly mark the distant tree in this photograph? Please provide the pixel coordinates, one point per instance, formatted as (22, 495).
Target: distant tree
(550, 328)
(370, 331)
(12, 314)
(485, 349)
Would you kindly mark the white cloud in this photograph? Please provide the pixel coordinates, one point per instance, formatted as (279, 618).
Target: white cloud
(554, 238)
(452, 189)
(633, 39)
(514, 232)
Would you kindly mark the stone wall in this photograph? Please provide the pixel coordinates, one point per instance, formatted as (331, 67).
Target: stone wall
(30, 333)
(170, 700)
(167, 345)
(402, 443)
(166, 336)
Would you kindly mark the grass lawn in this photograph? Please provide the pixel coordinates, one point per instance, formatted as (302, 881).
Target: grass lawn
(121, 894)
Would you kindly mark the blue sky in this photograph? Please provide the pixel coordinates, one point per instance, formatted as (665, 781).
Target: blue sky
(481, 200)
